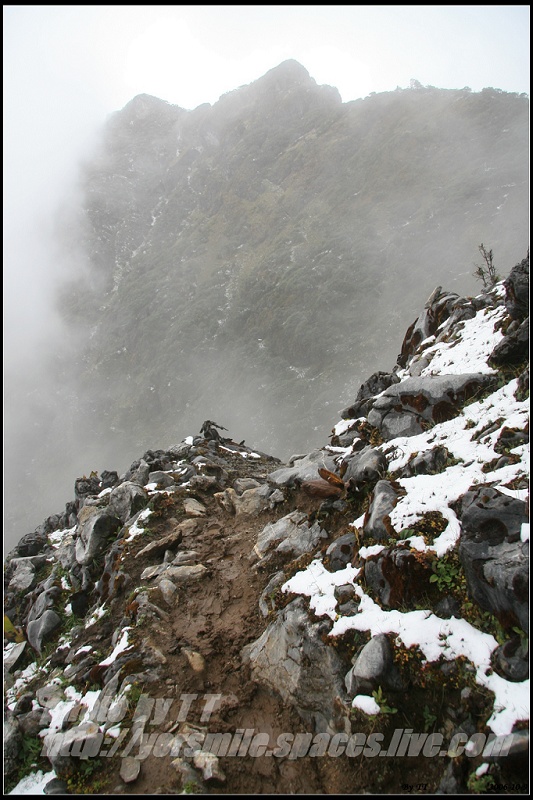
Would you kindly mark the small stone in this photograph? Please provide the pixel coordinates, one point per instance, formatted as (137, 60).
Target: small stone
(193, 508)
(195, 659)
(184, 574)
(208, 763)
(168, 590)
(130, 769)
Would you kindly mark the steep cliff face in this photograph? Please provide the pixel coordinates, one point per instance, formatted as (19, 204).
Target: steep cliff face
(215, 620)
(275, 242)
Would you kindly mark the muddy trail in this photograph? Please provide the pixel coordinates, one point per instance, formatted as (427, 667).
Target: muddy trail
(192, 645)
(202, 673)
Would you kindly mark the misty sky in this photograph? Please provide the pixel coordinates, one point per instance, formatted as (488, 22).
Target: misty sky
(67, 67)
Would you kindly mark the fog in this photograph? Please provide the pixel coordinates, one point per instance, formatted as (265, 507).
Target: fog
(65, 70)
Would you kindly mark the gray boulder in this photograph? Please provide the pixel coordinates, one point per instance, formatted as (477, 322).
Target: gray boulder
(376, 384)
(291, 659)
(12, 745)
(366, 466)
(303, 468)
(40, 629)
(377, 519)
(407, 408)
(430, 462)
(340, 552)
(372, 667)
(291, 535)
(513, 348)
(95, 528)
(23, 577)
(126, 500)
(397, 576)
(517, 290)
(437, 309)
(495, 561)
(162, 479)
(45, 599)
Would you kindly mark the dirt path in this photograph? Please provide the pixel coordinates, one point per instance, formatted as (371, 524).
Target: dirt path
(215, 618)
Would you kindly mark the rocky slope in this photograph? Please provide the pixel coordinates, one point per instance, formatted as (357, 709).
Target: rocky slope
(266, 250)
(215, 621)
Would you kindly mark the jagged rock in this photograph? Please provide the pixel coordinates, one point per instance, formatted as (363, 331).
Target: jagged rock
(56, 786)
(126, 500)
(189, 776)
(162, 479)
(94, 529)
(242, 484)
(66, 552)
(510, 438)
(12, 745)
(513, 348)
(448, 607)
(108, 479)
(31, 544)
(204, 483)
(340, 552)
(82, 741)
(349, 608)
(377, 519)
(430, 462)
(179, 574)
(185, 558)
(32, 722)
(366, 466)
(291, 659)
(517, 290)
(510, 660)
(130, 769)
(372, 667)
(452, 781)
(49, 696)
(86, 487)
(344, 593)
(251, 501)
(376, 384)
(180, 450)
(44, 601)
(138, 473)
(276, 580)
(12, 655)
(406, 408)
(437, 309)
(23, 578)
(158, 548)
(40, 629)
(303, 468)
(518, 748)
(494, 559)
(193, 508)
(146, 608)
(291, 535)
(397, 575)
(208, 763)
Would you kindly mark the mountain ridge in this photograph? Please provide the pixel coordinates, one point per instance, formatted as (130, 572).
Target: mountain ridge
(376, 582)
